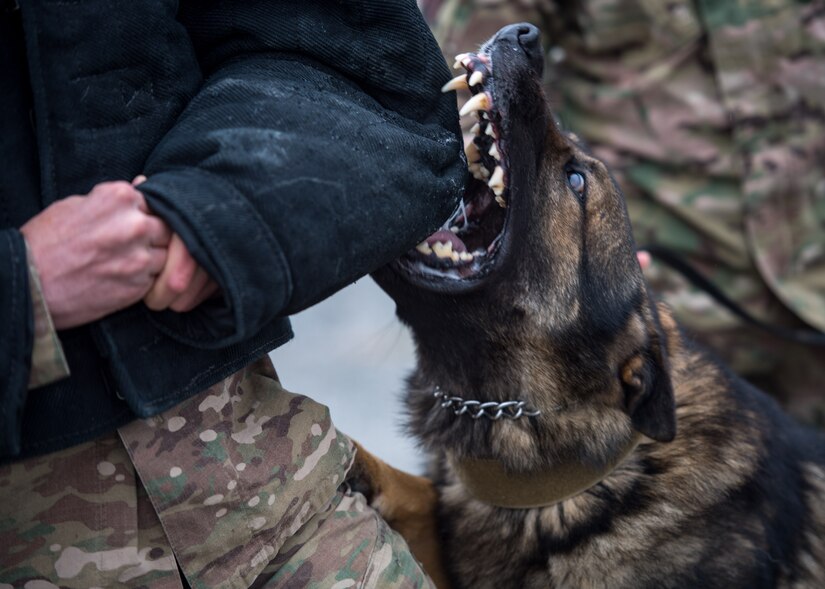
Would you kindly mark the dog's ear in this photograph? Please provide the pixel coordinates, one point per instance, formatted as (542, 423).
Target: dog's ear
(648, 390)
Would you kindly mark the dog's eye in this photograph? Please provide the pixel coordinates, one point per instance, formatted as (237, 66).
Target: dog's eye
(576, 182)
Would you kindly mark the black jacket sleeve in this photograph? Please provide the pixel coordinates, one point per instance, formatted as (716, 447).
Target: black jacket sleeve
(318, 149)
(16, 324)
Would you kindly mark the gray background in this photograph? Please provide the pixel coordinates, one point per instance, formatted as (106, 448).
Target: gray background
(352, 354)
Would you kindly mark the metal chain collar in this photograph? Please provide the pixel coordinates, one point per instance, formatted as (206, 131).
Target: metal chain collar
(493, 410)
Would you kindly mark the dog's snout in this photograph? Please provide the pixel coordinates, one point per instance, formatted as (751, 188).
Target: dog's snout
(528, 38)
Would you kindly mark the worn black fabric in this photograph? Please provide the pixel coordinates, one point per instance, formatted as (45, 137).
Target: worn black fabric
(294, 147)
(18, 165)
(18, 336)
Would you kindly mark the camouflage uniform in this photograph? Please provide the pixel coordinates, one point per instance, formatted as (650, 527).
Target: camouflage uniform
(241, 485)
(711, 116)
(48, 361)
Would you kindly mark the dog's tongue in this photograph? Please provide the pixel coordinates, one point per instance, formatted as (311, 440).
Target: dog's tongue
(447, 236)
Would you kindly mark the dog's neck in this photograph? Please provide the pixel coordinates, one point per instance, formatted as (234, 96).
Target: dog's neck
(487, 481)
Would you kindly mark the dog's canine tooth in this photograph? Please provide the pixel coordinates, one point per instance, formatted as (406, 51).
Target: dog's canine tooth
(501, 202)
(457, 83)
(424, 248)
(489, 130)
(478, 102)
(497, 181)
(476, 78)
(475, 129)
(471, 150)
(494, 152)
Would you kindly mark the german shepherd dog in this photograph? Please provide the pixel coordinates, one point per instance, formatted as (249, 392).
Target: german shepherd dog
(578, 439)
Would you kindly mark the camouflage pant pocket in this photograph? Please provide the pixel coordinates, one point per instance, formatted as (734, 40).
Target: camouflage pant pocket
(346, 545)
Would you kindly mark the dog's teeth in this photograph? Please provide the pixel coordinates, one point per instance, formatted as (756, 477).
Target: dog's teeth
(455, 256)
(494, 152)
(498, 177)
(497, 181)
(476, 78)
(457, 83)
(482, 116)
(460, 59)
(501, 202)
(455, 228)
(478, 102)
(471, 150)
(489, 130)
(475, 129)
(443, 250)
(466, 256)
(424, 248)
(478, 171)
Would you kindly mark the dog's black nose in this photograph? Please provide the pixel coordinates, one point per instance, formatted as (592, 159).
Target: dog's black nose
(527, 37)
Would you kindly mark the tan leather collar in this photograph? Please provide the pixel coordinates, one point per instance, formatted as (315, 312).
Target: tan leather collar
(487, 481)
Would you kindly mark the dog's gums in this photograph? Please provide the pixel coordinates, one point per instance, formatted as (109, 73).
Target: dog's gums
(469, 240)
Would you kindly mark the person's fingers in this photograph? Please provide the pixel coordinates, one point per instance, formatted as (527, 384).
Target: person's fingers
(142, 205)
(157, 260)
(644, 259)
(175, 277)
(183, 271)
(140, 179)
(158, 297)
(188, 300)
(158, 232)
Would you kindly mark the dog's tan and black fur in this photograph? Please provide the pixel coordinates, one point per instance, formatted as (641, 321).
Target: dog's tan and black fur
(724, 490)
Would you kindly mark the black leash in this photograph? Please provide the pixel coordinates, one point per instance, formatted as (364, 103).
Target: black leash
(670, 258)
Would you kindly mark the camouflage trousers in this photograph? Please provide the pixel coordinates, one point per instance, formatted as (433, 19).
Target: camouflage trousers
(240, 486)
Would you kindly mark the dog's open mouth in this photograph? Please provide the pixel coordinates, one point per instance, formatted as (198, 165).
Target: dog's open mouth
(467, 244)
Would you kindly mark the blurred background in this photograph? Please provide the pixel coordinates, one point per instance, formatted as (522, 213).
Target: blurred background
(352, 354)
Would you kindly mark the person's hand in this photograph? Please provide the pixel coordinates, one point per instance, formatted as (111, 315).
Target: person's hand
(96, 254)
(182, 284)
